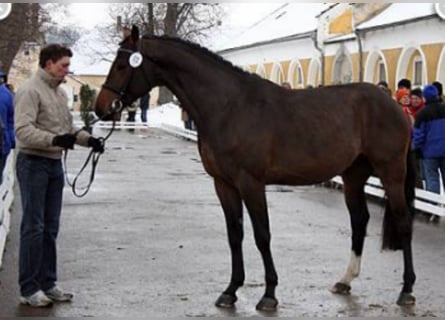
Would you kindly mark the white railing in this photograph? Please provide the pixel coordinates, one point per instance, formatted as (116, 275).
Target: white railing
(6, 198)
(425, 201)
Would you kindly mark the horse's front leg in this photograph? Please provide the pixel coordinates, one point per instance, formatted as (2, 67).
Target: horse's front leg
(233, 211)
(254, 196)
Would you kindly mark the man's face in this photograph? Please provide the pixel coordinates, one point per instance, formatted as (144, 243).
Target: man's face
(415, 100)
(58, 69)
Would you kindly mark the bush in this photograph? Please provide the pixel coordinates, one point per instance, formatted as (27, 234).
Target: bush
(87, 97)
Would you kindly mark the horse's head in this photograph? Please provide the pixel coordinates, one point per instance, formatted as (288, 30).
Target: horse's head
(127, 80)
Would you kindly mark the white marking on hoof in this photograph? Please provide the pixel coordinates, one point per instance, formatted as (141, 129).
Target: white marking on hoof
(353, 269)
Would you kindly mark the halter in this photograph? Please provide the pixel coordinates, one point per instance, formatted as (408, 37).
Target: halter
(123, 92)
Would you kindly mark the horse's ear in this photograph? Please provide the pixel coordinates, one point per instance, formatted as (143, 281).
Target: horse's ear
(135, 33)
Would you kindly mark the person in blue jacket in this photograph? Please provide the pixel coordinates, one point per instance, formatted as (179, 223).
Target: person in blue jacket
(429, 138)
(7, 118)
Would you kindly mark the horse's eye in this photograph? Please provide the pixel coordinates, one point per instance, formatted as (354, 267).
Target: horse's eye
(121, 66)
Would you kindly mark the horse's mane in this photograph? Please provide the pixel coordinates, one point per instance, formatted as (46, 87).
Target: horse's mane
(203, 50)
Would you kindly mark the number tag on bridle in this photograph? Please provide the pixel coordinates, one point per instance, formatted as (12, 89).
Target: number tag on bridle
(136, 60)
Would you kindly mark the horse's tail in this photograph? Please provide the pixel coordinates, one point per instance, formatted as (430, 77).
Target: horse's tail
(396, 229)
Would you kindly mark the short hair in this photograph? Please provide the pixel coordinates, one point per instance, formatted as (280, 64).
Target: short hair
(404, 83)
(53, 52)
(439, 87)
(383, 84)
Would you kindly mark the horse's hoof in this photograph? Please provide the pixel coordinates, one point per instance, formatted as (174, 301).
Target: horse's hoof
(406, 299)
(226, 301)
(267, 304)
(341, 288)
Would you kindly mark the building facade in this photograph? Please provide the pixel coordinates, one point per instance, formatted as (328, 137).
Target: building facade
(347, 42)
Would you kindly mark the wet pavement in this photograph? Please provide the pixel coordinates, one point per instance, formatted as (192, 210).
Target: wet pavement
(149, 239)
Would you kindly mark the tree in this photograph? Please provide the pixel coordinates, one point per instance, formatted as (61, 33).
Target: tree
(189, 21)
(27, 22)
(21, 25)
(87, 97)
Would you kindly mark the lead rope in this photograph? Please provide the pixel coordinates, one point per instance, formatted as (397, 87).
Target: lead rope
(93, 157)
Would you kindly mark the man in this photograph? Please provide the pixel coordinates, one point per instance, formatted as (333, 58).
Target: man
(429, 138)
(7, 122)
(44, 128)
(144, 105)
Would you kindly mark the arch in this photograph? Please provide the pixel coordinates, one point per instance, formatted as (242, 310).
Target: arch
(371, 65)
(261, 71)
(295, 75)
(277, 75)
(314, 73)
(403, 65)
(441, 67)
(342, 67)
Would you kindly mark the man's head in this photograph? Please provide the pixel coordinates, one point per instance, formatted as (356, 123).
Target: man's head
(404, 84)
(439, 87)
(286, 85)
(55, 59)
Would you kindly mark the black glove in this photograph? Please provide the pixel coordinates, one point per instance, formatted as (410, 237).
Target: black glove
(96, 144)
(65, 141)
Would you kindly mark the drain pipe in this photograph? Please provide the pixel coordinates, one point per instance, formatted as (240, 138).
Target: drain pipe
(322, 57)
(360, 54)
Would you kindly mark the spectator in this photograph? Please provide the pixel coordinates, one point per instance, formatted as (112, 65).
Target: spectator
(416, 105)
(404, 84)
(188, 123)
(286, 85)
(439, 88)
(429, 139)
(131, 109)
(384, 86)
(144, 104)
(7, 118)
(44, 129)
(416, 101)
(403, 99)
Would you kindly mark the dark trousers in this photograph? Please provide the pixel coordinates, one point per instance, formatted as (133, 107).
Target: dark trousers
(144, 115)
(41, 182)
(432, 166)
(3, 159)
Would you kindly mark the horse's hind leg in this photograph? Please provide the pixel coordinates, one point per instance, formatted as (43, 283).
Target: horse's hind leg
(233, 211)
(354, 179)
(397, 221)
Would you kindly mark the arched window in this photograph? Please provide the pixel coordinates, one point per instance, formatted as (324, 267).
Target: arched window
(342, 68)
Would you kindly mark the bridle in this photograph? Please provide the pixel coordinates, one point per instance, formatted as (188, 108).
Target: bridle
(121, 93)
(118, 103)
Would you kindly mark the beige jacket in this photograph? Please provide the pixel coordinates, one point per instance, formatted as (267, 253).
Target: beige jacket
(41, 113)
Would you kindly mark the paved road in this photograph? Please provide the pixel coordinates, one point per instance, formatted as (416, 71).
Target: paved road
(149, 239)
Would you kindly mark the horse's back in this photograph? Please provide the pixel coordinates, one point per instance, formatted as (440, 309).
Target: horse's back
(310, 135)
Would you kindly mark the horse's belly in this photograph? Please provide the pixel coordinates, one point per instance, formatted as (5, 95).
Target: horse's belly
(303, 175)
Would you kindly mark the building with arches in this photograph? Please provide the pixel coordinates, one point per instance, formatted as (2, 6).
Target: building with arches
(312, 44)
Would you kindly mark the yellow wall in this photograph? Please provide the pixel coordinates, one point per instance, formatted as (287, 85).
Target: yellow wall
(342, 24)
(285, 66)
(392, 58)
(432, 55)
(268, 68)
(329, 69)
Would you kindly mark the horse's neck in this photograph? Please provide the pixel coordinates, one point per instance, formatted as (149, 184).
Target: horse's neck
(202, 85)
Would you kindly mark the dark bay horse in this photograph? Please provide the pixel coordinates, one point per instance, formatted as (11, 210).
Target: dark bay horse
(253, 133)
